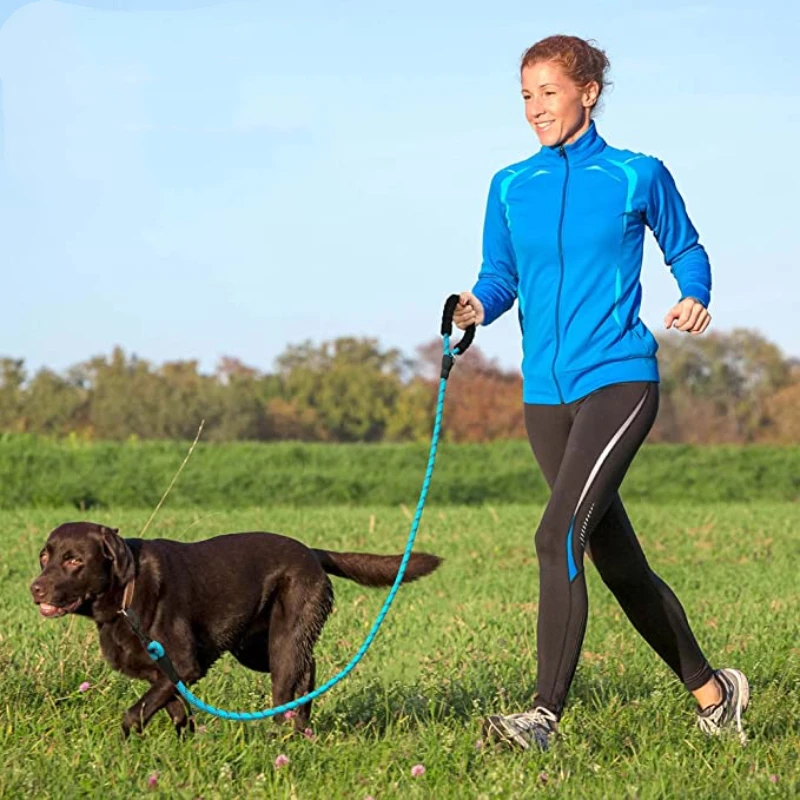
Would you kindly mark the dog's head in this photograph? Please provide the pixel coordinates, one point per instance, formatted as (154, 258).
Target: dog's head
(80, 561)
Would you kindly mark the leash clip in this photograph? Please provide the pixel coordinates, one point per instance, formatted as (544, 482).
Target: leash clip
(133, 621)
(448, 359)
(154, 649)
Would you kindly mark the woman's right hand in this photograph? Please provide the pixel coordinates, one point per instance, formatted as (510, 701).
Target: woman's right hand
(469, 311)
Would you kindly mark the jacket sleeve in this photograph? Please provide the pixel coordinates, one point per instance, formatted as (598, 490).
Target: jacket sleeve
(676, 236)
(496, 287)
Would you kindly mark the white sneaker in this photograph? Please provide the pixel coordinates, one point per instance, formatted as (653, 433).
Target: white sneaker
(531, 727)
(727, 716)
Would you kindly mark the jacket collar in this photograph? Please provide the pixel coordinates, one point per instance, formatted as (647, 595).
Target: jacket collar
(589, 144)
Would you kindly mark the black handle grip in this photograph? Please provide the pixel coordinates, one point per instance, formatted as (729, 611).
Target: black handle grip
(447, 326)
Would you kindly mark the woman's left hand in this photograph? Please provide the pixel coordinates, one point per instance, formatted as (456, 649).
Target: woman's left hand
(689, 316)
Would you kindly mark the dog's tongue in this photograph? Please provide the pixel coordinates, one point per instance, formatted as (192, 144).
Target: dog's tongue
(46, 610)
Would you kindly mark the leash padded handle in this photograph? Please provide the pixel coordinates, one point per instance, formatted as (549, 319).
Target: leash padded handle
(447, 325)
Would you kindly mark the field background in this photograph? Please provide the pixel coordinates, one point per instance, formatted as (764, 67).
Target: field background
(720, 525)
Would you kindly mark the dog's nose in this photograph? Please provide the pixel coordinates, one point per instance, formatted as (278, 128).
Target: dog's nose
(37, 590)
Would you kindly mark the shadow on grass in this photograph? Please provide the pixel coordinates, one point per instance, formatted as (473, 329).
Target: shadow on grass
(379, 707)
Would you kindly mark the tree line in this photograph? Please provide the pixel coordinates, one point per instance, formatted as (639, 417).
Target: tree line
(725, 387)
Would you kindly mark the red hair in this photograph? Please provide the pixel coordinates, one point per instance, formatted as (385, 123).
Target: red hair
(580, 59)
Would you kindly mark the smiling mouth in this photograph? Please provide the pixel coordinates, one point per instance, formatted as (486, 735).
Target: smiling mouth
(49, 610)
(543, 126)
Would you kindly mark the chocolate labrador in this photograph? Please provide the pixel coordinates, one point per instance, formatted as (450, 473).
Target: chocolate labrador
(260, 596)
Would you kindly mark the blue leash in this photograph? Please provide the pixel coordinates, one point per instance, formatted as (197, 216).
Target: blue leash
(156, 650)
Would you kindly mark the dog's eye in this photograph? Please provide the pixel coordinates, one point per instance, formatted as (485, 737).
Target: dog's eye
(73, 562)
(43, 558)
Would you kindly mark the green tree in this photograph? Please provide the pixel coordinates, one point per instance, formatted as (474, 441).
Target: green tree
(349, 384)
(12, 379)
(53, 404)
(244, 398)
(719, 383)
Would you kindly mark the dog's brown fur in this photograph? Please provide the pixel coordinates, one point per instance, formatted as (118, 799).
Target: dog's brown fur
(260, 596)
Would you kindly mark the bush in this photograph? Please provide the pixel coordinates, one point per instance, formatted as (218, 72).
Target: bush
(38, 472)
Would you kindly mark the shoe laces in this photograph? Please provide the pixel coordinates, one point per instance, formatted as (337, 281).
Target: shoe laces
(710, 722)
(539, 718)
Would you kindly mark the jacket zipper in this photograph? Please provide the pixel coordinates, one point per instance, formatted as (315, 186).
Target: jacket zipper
(563, 155)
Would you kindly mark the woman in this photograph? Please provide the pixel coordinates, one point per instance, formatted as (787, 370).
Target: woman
(563, 235)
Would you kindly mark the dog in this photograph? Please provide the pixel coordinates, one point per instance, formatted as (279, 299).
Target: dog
(262, 597)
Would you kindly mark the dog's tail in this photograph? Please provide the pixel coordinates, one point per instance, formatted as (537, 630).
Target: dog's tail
(372, 570)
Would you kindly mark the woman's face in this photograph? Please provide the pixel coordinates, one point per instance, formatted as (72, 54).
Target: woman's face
(557, 109)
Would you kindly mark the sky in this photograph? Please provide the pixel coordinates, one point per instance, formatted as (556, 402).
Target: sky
(191, 179)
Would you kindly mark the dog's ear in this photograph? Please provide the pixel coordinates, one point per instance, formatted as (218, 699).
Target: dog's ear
(118, 552)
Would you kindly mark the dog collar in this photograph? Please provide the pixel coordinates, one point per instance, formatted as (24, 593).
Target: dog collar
(127, 596)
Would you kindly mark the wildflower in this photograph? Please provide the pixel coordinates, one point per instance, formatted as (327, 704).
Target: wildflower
(417, 771)
(152, 781)
(281, 761)
(84, 687)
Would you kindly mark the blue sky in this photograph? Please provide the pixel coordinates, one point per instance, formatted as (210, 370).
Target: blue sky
(198, 179)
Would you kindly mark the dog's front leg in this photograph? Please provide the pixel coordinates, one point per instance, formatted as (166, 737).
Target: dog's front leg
(181, 716)
(152, 701)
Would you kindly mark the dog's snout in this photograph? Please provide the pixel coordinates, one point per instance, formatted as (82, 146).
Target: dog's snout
(37, 589)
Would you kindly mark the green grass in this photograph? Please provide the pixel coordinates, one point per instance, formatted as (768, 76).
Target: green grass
(455, 646)
(45, 473)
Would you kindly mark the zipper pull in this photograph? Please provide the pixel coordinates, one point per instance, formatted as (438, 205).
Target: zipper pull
(562, 152)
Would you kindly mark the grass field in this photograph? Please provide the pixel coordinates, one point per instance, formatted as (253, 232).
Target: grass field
(455, 646)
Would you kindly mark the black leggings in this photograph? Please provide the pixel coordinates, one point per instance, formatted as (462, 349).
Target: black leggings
(584, 450)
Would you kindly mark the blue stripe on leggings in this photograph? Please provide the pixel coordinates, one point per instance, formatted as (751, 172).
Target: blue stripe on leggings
(571, 567)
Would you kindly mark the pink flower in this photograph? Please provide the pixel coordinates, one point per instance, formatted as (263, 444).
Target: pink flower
(544, 777)
(773, 778)
(289, 715)
(281, 761)
(479, 744)
(417, 771)
(152, 781)
(85, 686)
(369, 797)
(309, 734)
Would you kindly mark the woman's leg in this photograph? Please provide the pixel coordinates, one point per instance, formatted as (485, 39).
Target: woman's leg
(603, 433)
(722, 696)
(648, 602)
(565, 439)
(609, 427)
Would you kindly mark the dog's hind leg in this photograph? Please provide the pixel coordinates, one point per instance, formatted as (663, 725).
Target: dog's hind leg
(292, 677)
(295, 626)
(305, 684)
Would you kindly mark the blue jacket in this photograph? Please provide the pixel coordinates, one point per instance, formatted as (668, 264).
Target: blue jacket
(564, 235)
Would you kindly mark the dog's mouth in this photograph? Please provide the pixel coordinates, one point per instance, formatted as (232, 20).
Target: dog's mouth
(49, 610)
